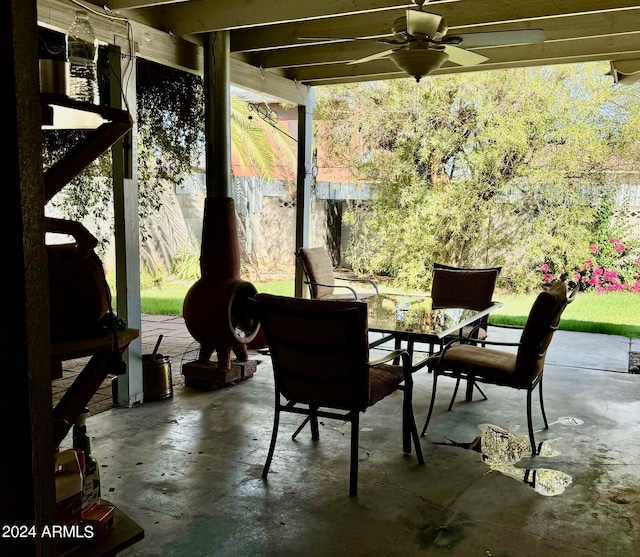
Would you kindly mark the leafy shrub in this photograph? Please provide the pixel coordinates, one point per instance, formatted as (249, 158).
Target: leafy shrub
(148, 279)
(151, 278)
(613, 266)
(186, 265)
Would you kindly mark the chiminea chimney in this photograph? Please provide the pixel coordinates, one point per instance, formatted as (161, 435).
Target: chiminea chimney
(216, 308)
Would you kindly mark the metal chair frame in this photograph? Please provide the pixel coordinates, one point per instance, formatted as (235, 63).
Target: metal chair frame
(339, 311)
(310, 283)
(440, 369)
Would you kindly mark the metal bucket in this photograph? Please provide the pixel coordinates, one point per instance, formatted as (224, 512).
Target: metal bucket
(156, 377)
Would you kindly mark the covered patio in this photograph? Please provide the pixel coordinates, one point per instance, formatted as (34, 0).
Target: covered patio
(188, 468)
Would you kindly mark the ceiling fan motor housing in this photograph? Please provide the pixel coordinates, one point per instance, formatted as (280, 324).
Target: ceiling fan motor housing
(431, 28)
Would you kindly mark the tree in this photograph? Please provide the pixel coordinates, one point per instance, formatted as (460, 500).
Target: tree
(482, 169)
(170, 145)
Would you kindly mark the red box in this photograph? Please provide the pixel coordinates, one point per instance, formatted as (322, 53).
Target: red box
(101, 517)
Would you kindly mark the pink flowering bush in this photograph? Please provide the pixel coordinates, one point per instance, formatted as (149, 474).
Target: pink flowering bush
(611, 268)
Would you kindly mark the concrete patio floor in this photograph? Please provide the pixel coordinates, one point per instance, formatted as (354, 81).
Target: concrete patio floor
(188, 468)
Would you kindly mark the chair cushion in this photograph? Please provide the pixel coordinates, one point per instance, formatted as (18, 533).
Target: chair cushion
(319, 349)
(537, 333)
(319, 269)
(383, 380)
(491, 366)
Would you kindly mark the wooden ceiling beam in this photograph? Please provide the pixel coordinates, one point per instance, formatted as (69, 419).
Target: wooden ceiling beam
(559, 52)
(560, 27)
(202, 16)
(346, 52)
(266, 36)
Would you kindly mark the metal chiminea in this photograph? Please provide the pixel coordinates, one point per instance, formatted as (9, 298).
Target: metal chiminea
(216, 309)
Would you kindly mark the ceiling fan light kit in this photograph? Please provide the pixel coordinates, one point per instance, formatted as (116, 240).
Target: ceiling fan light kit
(418, 62)
(625, 72)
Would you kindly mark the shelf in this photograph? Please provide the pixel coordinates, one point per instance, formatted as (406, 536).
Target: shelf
(108, 125)
(105, 127)
(124, 533)
(102, 351)
(91, 346)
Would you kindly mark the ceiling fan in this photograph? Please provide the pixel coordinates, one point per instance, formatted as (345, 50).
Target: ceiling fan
(421, 44)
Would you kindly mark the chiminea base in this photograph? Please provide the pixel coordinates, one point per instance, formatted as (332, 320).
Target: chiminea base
(208, 376)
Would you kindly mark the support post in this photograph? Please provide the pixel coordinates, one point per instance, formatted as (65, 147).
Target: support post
(217, 96)
(303, 191)
(127, 228)
(28, 494)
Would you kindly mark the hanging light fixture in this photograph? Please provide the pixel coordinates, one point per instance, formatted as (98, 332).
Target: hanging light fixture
(625, 72)
(418, 60)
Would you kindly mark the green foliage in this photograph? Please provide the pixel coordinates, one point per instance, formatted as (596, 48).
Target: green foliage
(170, 131)
(612, 266)
(170, 140)
(170, 143)
(505, 169)
(259, 146)
(87, 195)
(150, 278)
(186, 265)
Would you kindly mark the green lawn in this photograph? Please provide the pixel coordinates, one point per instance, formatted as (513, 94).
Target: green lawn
(616, 313)
(167, 299)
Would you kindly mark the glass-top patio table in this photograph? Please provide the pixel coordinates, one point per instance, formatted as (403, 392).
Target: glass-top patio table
(413, 318)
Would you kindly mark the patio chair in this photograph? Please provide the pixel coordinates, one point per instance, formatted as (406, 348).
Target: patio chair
(464, 287)
(521, 370)
(320, 277)
(321, 368)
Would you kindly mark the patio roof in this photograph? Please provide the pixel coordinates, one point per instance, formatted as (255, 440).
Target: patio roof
(268, 36)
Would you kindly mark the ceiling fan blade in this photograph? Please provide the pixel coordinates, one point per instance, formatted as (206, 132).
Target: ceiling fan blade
(337, 38)
(496, 38)
(372, 57)
(341, 39)
(325, 38)
(463, 57)
(423, 24)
